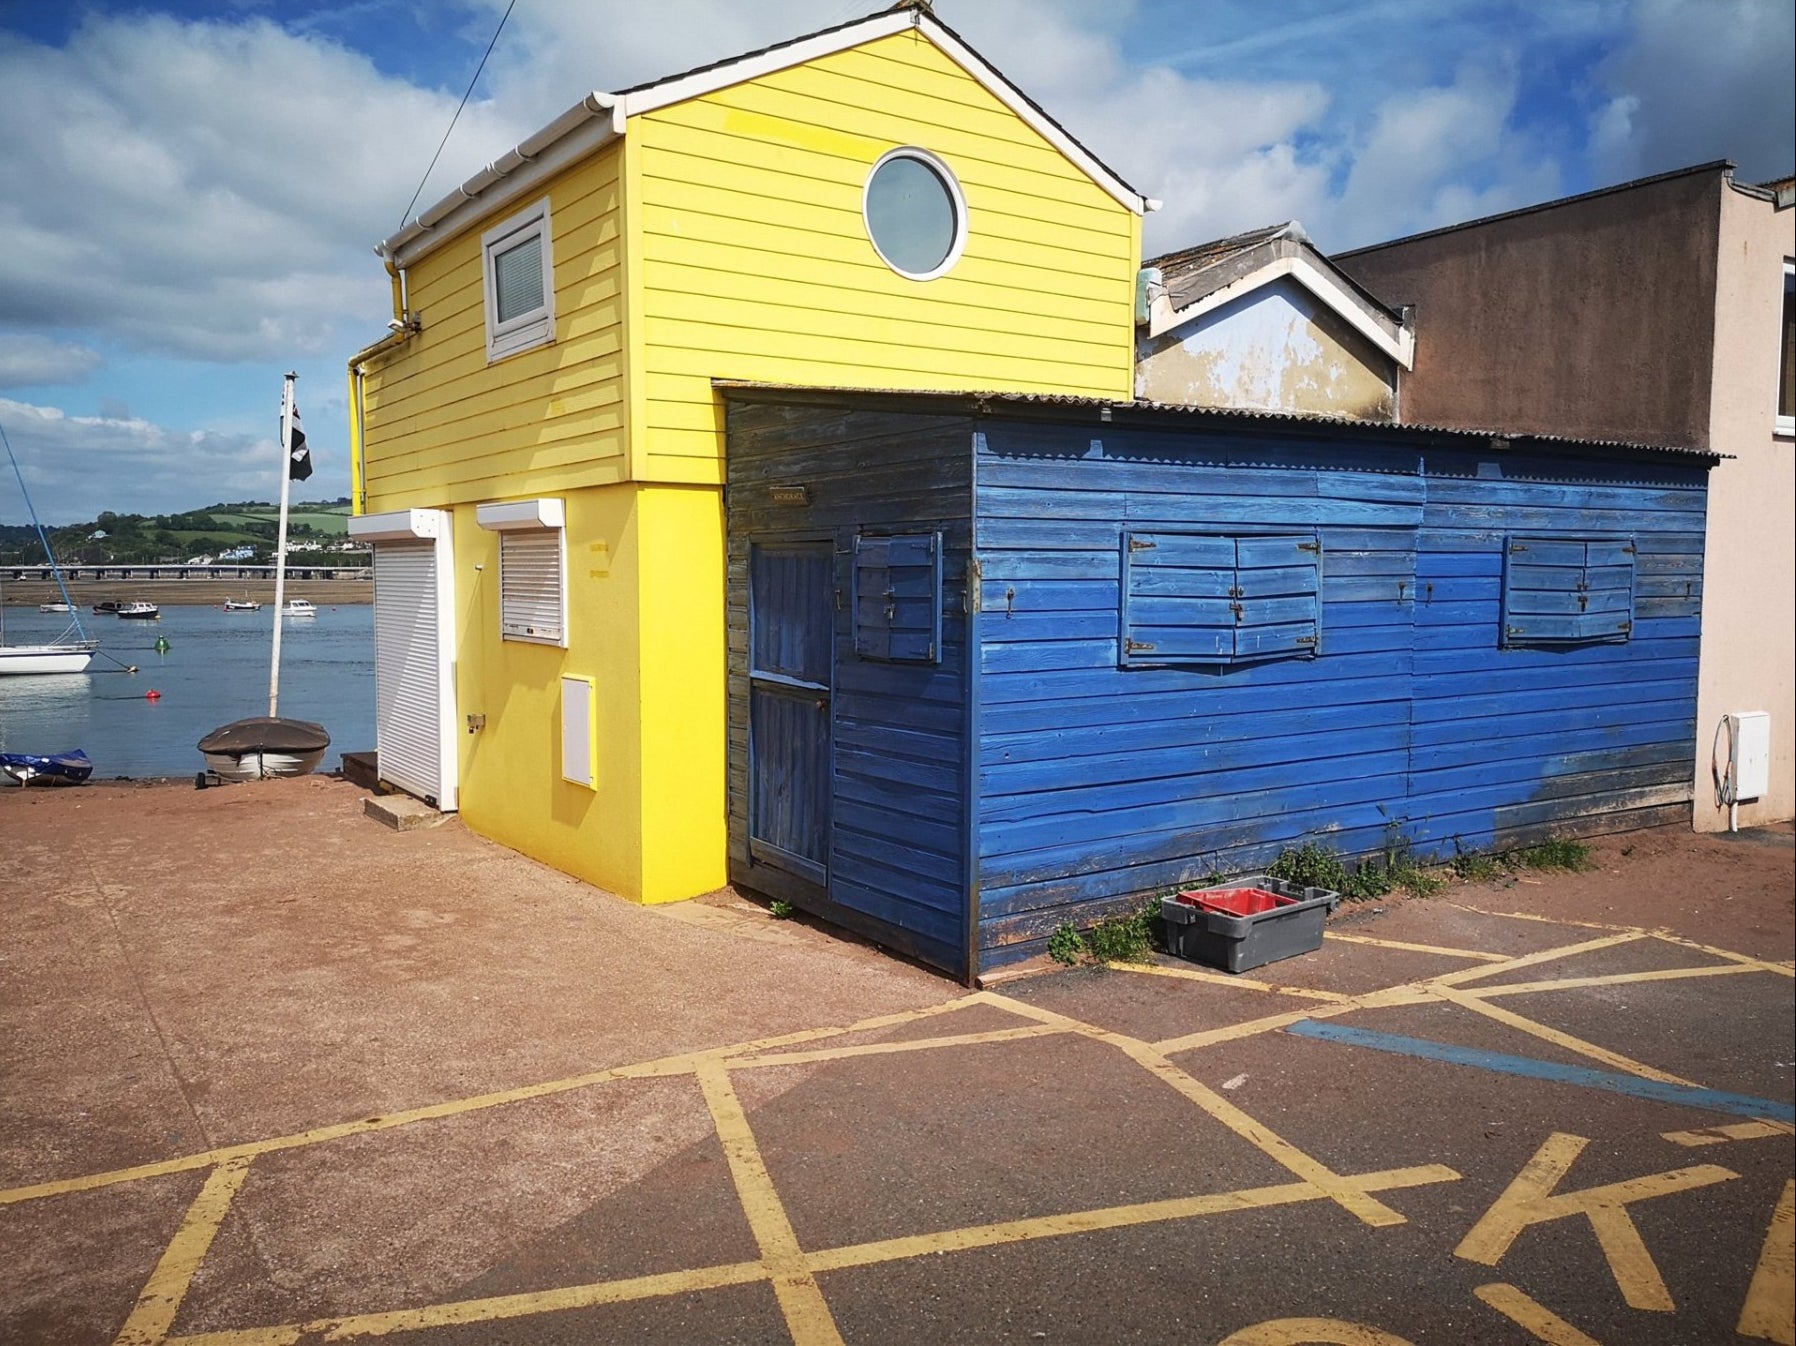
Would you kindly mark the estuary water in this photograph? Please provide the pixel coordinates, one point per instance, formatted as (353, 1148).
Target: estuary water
(214, 670)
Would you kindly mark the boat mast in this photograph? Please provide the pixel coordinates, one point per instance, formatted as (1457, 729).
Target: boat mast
(280, 546)
(42, 537)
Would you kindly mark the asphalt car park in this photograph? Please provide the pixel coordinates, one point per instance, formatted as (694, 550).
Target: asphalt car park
(1555, 1112)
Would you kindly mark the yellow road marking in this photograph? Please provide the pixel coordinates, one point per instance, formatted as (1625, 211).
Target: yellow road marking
(1530, 1200)
(497, 1308)
(1263, 1138)
(807, 1315)
(1546, 1325)
(1229, 979)
(1477, 1004)
(683, 1063)
(1397, 995)
(1612, 979)
(1476, 955)
(1543, 920)
(888, 1048)
(823, 1260)
(1716, 1135)
(1745, 960)
(154, 1312)
(1531, 959)
(1312, 1332)
(1771, 1298)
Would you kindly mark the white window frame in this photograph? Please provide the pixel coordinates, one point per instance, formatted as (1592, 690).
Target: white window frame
(537, 327)
(534, 518)
(949, 180)
(1786, 425)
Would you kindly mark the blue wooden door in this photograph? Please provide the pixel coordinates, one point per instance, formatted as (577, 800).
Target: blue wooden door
(791, 638)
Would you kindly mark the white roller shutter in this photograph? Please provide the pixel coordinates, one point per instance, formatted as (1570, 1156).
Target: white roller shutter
(531, 592)
(409, 679)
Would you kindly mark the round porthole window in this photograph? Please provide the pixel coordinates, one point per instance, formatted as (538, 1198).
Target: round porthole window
(915, 213)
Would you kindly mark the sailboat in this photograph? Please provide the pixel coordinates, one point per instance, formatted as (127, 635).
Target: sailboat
(61, 655)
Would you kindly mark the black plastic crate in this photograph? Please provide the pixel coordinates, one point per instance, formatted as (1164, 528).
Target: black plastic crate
(1236, 943)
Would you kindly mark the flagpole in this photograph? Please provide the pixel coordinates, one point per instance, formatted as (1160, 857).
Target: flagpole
(280, 546)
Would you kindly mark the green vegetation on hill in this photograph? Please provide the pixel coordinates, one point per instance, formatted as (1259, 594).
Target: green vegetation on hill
(152, 538)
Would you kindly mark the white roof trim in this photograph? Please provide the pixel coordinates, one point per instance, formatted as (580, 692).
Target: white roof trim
(1401, 347)
(600, 118)
(592, 123)
(400, 525)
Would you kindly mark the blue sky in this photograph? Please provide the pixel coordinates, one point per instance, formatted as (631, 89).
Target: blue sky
(189, 190)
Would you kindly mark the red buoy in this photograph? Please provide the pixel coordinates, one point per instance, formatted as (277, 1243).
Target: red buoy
(152, 695)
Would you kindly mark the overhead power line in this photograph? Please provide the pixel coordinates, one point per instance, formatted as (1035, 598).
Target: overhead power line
(406, 213)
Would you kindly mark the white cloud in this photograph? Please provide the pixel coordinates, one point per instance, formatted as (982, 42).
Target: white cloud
(76, 466)
(1698, 80)
(28, 360)
(207, 190)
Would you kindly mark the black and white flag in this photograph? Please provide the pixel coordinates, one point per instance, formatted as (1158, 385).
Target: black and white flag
(299, 457)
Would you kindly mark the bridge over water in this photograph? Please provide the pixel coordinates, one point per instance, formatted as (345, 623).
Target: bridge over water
(227, 570)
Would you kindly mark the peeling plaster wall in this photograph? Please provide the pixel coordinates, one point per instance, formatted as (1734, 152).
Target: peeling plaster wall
(1276, 349)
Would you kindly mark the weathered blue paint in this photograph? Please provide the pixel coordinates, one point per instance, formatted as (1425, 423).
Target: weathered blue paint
(1360, 689)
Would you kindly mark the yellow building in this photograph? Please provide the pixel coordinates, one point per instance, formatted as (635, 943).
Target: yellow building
(539, 446)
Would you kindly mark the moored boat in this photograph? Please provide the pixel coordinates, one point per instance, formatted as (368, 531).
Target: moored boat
(298, 607)
(54, 607)
(242, 605)
(147, 612)
(262, 747)
(62, 768)
(107, 607)
(63, 656)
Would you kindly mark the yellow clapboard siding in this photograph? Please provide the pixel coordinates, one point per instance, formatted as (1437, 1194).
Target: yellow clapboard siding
(708, 267)
(694, 153)
(758, 192)
(444, 489)
(791, 360)
(859, 266)
(445, 388)
(754, 317)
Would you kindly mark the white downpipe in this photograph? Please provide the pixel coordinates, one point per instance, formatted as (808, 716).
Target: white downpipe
(280, 546)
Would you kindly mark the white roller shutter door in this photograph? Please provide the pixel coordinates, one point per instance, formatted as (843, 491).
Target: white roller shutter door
(408, 669)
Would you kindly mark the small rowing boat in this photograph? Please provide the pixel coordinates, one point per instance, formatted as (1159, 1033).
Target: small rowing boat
(62, 768)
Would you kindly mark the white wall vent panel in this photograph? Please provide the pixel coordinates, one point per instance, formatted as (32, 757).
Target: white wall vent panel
(578, 748)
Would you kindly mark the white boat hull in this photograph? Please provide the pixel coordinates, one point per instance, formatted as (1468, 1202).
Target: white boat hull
(262, 765)
(45, 658)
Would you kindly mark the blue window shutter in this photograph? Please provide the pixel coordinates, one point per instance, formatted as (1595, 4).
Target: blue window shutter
(1280, 605)
(1191, 598)
(1565, 590)
(898, 597)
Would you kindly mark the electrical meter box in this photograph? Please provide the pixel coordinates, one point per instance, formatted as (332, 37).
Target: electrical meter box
(1750, 734)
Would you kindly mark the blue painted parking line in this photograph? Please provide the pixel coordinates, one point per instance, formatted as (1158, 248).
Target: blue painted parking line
(1684, 1095)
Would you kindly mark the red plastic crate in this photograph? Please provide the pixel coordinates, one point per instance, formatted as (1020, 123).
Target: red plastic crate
(1236, 901)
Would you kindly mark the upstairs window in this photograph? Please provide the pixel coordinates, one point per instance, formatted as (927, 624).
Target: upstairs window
(1195, 598)
(532, 569)
(1786, 366)
(915, 214)
(1563, 591)
(520, 283)
(898, 598)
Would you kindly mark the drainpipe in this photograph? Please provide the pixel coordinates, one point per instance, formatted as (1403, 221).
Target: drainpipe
(405, 325)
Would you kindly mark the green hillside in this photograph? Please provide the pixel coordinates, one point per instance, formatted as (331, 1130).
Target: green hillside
(145, 538)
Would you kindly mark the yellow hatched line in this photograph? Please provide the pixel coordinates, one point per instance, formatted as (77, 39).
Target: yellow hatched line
(1229, 979)
(1263, 1138)
(1535, 1318)
(1611, 979)
(1542, 920)
(1716, 1135)
(1533, 959)
(1477, 1004)
(904, 1248)
(1475, 955)
(807, 1315)
(1769, 1313)
(683, 1063)
(1386, 999)
(1745, 960)
(154, 1312)
(891, 1048)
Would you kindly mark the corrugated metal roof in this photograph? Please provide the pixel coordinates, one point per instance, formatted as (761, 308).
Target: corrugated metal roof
(984, 401)
(1197, 257)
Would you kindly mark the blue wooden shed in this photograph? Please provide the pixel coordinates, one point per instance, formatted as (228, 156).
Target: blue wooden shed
(999, 663)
